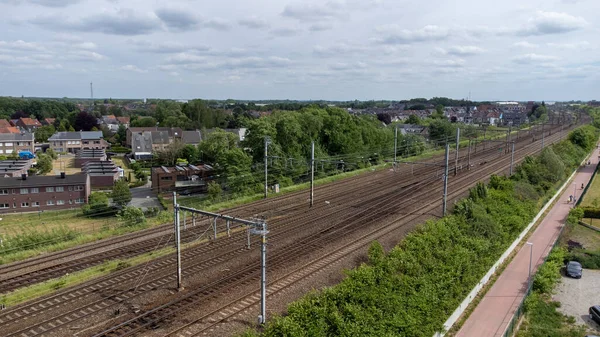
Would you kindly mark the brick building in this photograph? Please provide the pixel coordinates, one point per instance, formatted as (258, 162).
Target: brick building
(28, 124)
(182, 179)
(102, 173)
(14, 142)
(73, 142)
(43, 193)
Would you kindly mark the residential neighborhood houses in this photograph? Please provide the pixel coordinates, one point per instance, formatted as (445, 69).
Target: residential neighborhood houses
(88, 149)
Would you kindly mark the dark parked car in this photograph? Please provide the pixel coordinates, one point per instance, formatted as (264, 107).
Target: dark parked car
(574, 269)
(595, 313)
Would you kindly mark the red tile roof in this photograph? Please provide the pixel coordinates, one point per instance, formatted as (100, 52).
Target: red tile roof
(124, 120)
(50, 121)
(4, 123)
(9, 129)
(30, 122)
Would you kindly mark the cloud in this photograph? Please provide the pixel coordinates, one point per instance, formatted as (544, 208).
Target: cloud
(84, 55)
(340, 49)
(393, 34)
(347, 66)
(253, 23)
(167, 47)
(217, 24)
(544, 23)
(525, 44)
(20, 45)
(193, 62)
(46, 3)
(533, 58)
(570, 46)
(185, 58)
(319, 27)
(122, 22)
(313, 12)
(465, 50)
(133, 68)
(455, 63)
(177, 19)
(284, 32)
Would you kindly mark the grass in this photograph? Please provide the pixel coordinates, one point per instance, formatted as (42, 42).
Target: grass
(592, 196)
(64, 164)
(128, 172)
(588, 238)
(51, 286)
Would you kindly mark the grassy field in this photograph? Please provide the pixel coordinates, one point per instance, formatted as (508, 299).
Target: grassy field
(64, 164)
(592, 196)
(588, 238)
(120, 162)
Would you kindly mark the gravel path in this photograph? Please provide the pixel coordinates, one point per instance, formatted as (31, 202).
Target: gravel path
(578, 295)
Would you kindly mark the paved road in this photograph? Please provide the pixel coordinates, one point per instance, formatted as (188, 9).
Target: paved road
(143, 197)
(495, 311)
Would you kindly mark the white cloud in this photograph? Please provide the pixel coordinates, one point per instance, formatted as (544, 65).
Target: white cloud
(525, 45)
(552, 23)
(394, 34)
(534, 58)
(133, 68)
(465, 50)
(21, 45)
(570, 46)
(253, 22)
(455, 63)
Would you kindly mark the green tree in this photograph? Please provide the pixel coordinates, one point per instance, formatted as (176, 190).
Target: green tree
(50, 152)
(97, 205)
(131, 216)
(214, 191)
(413, 119)
(43, 133)
(190, 153)
(121, 134)
(121, 194)
(44, 164)
(441, 129)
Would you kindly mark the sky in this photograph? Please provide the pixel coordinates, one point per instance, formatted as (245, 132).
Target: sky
(301, 49)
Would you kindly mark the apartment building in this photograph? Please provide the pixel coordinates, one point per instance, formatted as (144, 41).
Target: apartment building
(43, 193)
(14, 142)
(73, 142)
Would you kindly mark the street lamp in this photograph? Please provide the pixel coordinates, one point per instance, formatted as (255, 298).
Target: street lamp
(530, 244)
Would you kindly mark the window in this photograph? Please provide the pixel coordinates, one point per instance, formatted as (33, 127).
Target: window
(18, 143)
(1, 151)
(24, 204)
(14, 205)
(78, 188)
(4, 205)
(69, 143)
(79, 201)
(9, 151)
(166, 178)
(4, 192)
(35, 190)
(77, 142)
(60, 189)
(8, 144)
(50, 203)
(35, 204)
(60, 202)
(49, 189)
(24, 191)
(70, 188)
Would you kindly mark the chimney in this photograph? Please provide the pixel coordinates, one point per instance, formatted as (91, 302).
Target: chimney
(23, 176)
(62, 175)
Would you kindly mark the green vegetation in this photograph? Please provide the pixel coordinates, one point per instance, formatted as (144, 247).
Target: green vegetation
(33, 239)
(413, 289)
(541, 317)
(121, 195)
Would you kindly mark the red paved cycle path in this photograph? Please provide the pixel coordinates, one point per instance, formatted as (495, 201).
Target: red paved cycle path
(495, 311)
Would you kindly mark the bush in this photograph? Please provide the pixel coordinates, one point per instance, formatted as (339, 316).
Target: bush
(214, 191)
(121, 194)
(97, 205)
(131, 217)
(32, 238)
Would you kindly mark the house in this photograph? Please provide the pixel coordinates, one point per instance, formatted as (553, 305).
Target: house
(141, 147)
(12, 143)
(412, 129)
(48, 121)
(174, 133)
(160, 140)
(185, 179)
(124, 121)
(514, 118)
(15, 168)
(72, 142)
(28, 124)
(5, 124)
(10, 129)
(193, 137)
(89, 155)
(102, 173)
(43, 193)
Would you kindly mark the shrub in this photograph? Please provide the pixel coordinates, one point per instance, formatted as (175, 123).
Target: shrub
(131, 217)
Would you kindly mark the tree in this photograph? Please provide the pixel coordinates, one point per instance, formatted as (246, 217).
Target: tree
(385, 118)
(214, 191)
(170, 154)
(50, 152)
(131, 216)
(97, 205)
(413, 119)
(43, 133)
(121, 194)
(121, 134)
(44, 164)
(85, 121)
(441, 130)
(145, 122)
(190, 153)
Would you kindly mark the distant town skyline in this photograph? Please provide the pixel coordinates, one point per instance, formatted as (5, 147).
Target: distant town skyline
(336, 50)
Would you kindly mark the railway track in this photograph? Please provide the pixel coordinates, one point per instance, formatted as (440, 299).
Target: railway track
(154, 317)
(13, 317)
(42, 268)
